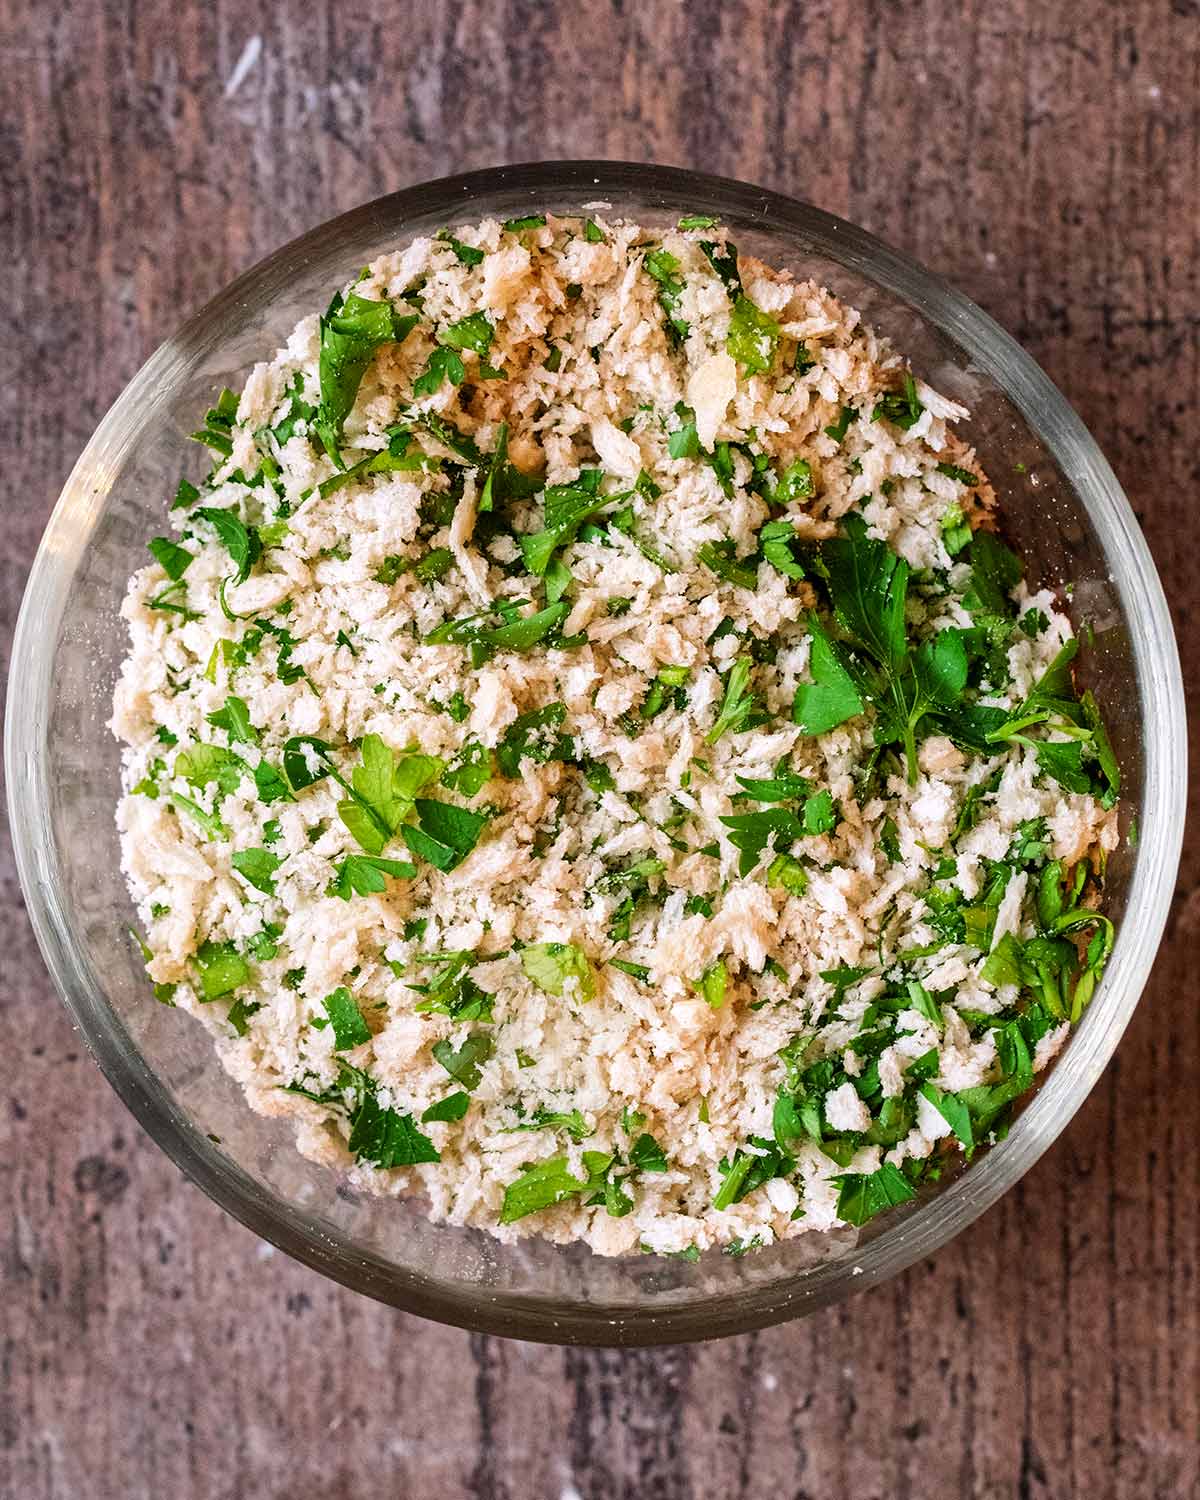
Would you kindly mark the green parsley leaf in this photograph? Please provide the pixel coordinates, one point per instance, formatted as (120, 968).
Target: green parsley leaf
(222, 969)
(804, 360)
(385, 461)
(467, 255)
(567, 507)
(218, 424)
(722, 558)
(748, 1171)
(795, 483)
(647, 1155)
(240, 541)
(447, 434)
(712, 984)
(504, 480)
(738, 710)
(862, 1196)
(777, 540)
(787, 874)
(753, 337)
(1101, 744)
(534, 736)
(664, 268)
(382, 792)
(257, 866)
(269, 784)
(543, 1119)
(234, 719)
(363, 875)
(752, 833)
(471, 769)
(831, 698)
(725, 264)
(464, 1063)
(386, 1138)
(240, 1013)
(352, 329)
(964, 476)
(838, 429)
(443, 364)
(168, 602)
(445, 834)
(530, 221)
(209, 822)
(474, 333)
(518, 634)
(201, 764)
(924, 1004)
(173, 559)
(819, 815)
(453, 1107)
(1063, 762)
(684, 442)
(451, 991)
(783, 788)
(953, 1111)
(540, 1187)
(901, 408)
(186, 494)
(349, 1028)
(551, 965)
(868, 584)
(956, 533)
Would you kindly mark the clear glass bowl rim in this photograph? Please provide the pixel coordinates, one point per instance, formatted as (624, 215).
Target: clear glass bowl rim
(543, 184)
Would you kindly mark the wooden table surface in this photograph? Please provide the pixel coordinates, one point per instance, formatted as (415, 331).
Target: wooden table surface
(1045, 157)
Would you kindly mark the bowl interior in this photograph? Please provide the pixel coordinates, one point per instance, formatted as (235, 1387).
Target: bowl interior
(1063, 511)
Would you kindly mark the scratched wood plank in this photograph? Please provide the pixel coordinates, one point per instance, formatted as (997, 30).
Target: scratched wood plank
(1046, 158)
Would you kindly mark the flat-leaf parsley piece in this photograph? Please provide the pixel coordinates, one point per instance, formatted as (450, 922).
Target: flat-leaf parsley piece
(222, 969)
(383, 791)
(349, 1028)
(862, 1196)
(464, 1063)
(258, 866)
(353, 329)
(738, 710)
(551, 965)
(365, 875)
(445, 834)
(665, 269)
(551, 1182)
(172, 558)
(753, 337)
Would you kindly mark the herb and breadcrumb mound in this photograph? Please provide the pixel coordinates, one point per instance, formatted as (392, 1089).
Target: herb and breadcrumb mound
(592, 763)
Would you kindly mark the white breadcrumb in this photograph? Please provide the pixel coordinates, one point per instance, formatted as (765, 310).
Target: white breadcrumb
(731, 963)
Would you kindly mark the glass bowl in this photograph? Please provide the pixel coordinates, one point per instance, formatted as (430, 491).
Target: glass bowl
(1064, 511)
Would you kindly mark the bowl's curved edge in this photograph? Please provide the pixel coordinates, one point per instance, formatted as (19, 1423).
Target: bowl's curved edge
(916, 1234)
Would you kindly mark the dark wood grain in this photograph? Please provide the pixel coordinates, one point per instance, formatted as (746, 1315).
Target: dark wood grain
(1045, 156)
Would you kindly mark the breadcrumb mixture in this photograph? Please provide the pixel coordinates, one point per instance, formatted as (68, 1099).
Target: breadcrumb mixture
(590, 761)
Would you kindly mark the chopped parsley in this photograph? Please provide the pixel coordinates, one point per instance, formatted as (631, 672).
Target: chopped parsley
(551, 965)
(257, 867)
(665, 269)
(349, 1028)
(753, 337)
(352, 331)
